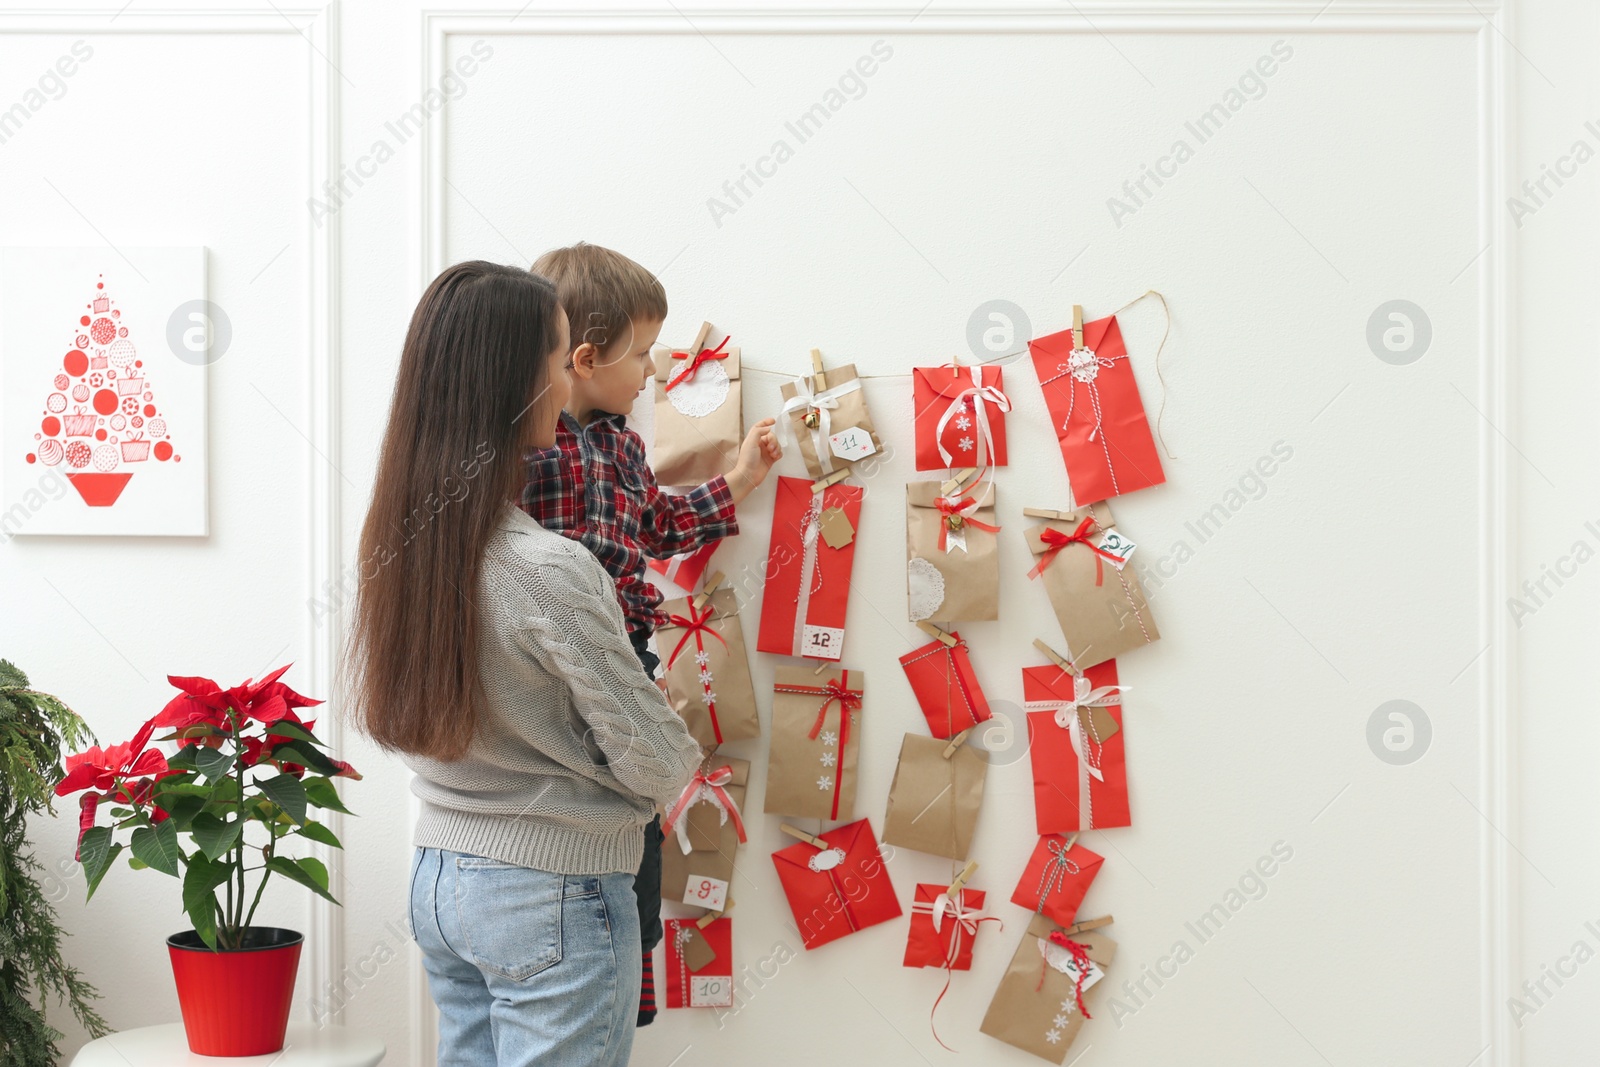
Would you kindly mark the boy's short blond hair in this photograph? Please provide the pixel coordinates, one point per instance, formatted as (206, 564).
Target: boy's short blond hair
(605, 293)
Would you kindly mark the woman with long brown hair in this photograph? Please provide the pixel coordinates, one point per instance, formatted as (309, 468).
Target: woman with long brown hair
(491, 654)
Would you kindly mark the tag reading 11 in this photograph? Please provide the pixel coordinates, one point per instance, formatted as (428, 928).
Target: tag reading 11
(852, 444)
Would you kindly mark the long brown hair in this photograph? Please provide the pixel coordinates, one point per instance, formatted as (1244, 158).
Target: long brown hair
(473, 368)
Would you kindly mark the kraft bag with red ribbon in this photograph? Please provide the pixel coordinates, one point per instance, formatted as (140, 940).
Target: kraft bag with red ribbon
(699, 963)
(935, 798)
(809, 560)
(960, 417)
(1078, 748)
(830, 421)
(946, 689)
(1098, 602)
(1048, 990)
(707, 670)
(839, 889)
(952, 553)
(699, 411)
(686, 568)
(816, 738)
(703, 829)
(1099, 419)
(1057, 878)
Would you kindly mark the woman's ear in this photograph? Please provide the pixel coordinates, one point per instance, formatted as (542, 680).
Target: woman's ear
(585, 360)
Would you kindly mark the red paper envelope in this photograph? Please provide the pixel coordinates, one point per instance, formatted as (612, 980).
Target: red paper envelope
(1057, 879)
(840, 890)
(960, 417)
(808, 569)
(946, 689)
(1067, 717)
(1100, 421)
(710, 985)
(958, 927)
(685, 569)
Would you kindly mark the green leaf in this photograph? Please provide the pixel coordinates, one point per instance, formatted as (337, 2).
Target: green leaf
(183, 789)
(309, 758)
(96, 852)
(182, 809)
(286, 791)
(320, 833)
(285, 728)
(199, 896)
(214, 836)
(213, 762)
(320, 792)
(157, 846)
(137, 864)
(301, 875)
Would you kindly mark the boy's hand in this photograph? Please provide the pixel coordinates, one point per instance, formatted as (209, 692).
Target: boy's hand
(756, 457)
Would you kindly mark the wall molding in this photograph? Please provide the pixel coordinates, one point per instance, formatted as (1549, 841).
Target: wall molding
(1487, 21)
(325, 949)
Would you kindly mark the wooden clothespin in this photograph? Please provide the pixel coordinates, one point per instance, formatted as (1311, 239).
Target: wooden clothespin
(1046, 513)
(709, 587)
(700, 338)
(824, 665)
(1077, 325)
(956, 742)
(1054, 657)
(954, 891)
(819, 379)
(1088, 924)
(956, 482)
(712, 916)
(838, 475)
(794, 831)
(1072, 839)
(937, 634)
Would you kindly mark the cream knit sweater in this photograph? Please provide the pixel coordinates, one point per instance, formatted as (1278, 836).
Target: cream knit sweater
(577, 745)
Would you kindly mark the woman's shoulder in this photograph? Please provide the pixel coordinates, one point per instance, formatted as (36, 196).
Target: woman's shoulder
(538, 559)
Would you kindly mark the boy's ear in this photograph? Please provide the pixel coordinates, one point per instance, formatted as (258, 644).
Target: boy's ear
(585, 360)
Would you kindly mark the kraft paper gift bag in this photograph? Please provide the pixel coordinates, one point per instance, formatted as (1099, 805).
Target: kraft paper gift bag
(935, 797)
(1099, 419)
(703, 829)
(809, 560)
(960, 417)
(707, 670)
(1098, 601)
(699, 411)
(830, 421)
(816, 738)
(1048, 990)
(945, 686)
(837, 890)
(1057, 878)
(952, 554)
(699, 963)
(1077, 747)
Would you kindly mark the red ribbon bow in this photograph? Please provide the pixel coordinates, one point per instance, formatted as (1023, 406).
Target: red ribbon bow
(1080, 957)
(836, 690)
(714, 781)
(695, 360)
(948, 506)
(1055, 541)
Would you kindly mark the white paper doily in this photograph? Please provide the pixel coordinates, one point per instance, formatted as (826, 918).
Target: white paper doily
(700, 395)
(925, 586)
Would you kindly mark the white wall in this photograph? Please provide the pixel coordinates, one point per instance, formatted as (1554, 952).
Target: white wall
(1373, 565)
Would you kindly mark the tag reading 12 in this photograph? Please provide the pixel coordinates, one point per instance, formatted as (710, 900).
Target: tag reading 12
(708, 893)
(1118, 546)
(822, 642)
(852, 444)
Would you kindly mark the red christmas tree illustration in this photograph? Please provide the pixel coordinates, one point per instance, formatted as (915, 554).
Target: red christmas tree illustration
(100, 418)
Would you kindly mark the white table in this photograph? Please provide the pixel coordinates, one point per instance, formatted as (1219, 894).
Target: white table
(165, 1046)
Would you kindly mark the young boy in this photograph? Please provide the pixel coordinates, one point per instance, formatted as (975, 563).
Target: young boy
(596, 487)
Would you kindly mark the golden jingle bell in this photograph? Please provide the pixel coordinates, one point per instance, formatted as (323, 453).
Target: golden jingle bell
(955, 521)
(812, 419)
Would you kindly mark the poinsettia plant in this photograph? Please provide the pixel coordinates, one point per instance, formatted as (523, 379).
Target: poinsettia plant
(220, 812)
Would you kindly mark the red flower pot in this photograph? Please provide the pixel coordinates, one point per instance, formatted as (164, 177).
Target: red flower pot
(236, 1002)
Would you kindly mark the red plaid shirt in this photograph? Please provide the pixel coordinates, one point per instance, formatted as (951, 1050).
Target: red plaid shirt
(596, 487)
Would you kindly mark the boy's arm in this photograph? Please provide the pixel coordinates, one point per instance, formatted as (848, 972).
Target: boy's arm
(670, 525)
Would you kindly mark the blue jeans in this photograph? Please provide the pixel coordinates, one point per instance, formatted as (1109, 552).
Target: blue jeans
(527, 967)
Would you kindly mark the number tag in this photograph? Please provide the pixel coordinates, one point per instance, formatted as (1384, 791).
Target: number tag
(822, 642)
(708, 893)
(710, 991)
(852, 444)
(1118, 546)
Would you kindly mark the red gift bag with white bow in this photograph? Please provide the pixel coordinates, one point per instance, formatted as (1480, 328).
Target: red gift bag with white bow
(1076, 744)
(944, 929)
(1099, 419)
(960, 417)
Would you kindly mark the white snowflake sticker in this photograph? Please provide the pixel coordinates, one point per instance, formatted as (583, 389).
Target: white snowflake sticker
(1053, 1036)
(966, 444)
(824, 782)
(702, 657)
(962, 422)
(708, 698)
(830, 738)
(828, 758)
(705, 677)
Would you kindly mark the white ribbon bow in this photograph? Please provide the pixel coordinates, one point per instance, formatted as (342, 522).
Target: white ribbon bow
(979, 394)
(966, 921)
(807, 397)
